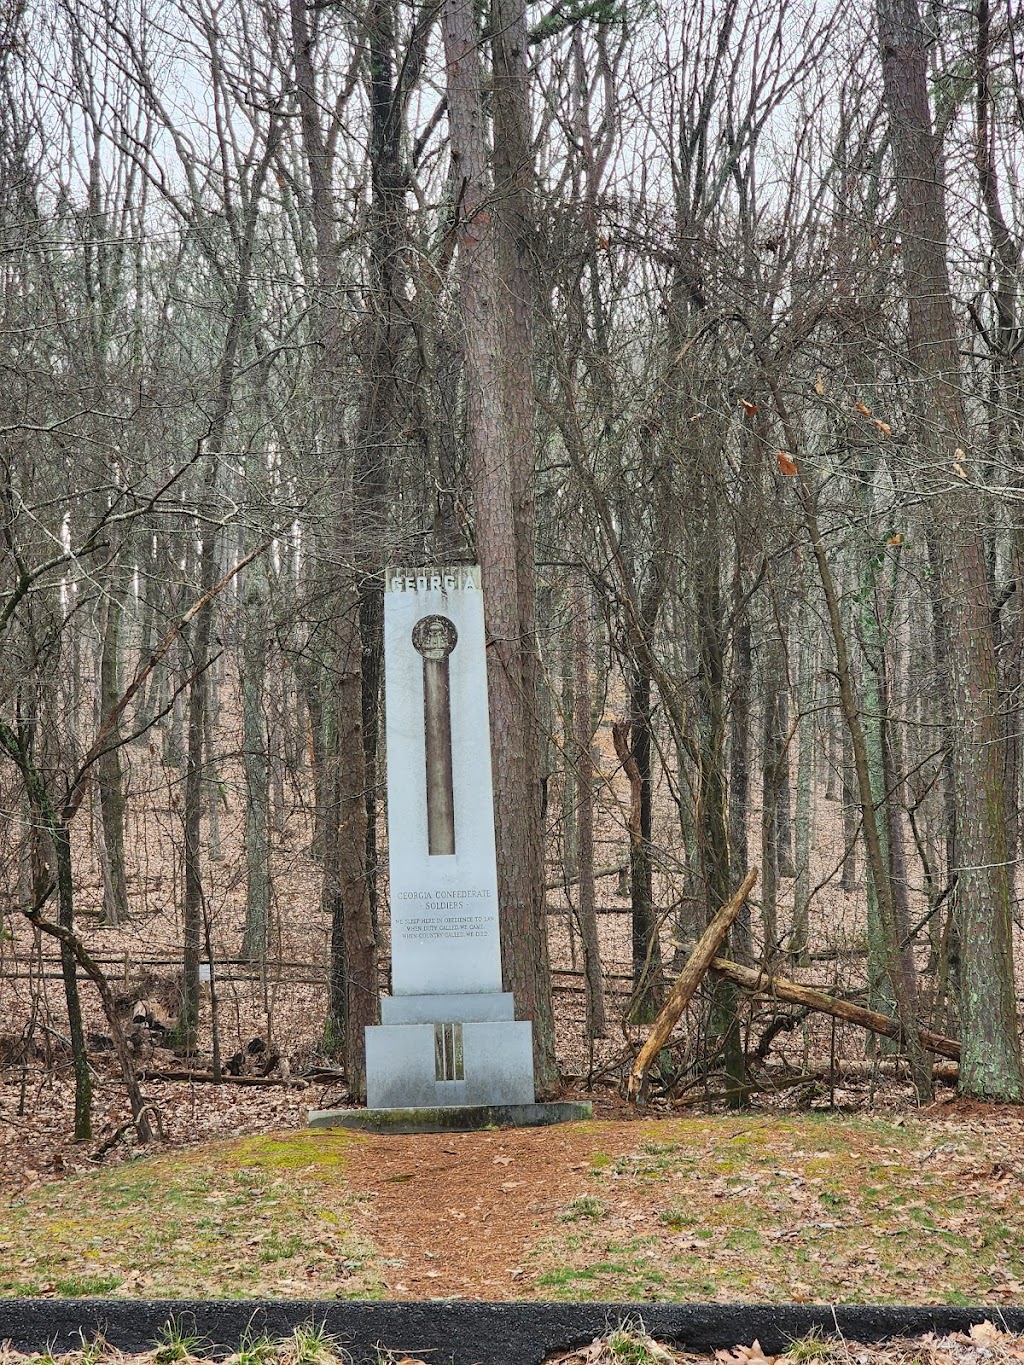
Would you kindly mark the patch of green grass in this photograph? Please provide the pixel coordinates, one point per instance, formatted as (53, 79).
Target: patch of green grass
(255, 1348)
(631, 1345)
(814, 1346)
(675, 1218)
(175, 1342)
(93, 1348)
(585, 1206)
(236, 1218)
(85, 1286)
(312, 1344)
(564, 1276)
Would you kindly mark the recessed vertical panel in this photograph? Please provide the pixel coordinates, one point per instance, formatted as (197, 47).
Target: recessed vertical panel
(444, 891)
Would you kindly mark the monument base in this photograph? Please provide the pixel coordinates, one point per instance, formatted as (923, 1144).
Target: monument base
(454, 1118)
(460, 1062)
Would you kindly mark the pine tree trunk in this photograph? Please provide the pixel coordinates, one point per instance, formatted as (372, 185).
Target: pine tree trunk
(500, 459)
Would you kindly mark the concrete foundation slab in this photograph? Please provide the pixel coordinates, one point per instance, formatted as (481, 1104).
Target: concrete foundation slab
(463, 1118)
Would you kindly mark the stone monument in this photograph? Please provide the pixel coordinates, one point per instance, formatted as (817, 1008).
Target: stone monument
(448, 1051)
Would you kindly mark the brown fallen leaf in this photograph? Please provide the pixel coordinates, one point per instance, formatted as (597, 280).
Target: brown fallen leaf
(745, 1355)
(985, 1334)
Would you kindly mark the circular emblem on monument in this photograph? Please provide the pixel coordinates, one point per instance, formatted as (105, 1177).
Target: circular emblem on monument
(434, 637)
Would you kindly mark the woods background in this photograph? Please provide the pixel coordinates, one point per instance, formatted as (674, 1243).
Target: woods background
(698, 327)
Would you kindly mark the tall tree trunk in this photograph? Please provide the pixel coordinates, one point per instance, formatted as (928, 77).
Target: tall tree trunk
(583, 735)
(109, 775)
(773, 679)
(799, 935)
(739, 770)
(525, 932)
(353, 1001)
(712, 819)
(255, 623)
(500, 449)
(648, 983)
(380, 416)
(991, 1058)
(195, 783)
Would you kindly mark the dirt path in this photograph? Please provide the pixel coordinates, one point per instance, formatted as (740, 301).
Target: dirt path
(429, 1198)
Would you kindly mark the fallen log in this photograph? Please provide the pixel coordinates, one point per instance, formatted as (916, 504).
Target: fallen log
(856, 1069)
(682, 992)
(779, 988)
(947, 1072)
(208, 1078)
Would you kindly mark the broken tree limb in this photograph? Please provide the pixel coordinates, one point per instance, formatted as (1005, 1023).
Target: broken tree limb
(118, 1133)
(682, 992)
(208, 1078)
(778, 987)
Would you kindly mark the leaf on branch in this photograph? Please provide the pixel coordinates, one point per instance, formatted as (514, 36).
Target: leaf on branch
(958, 468)
(862, 408)
(786, 462)
(819, 384)
(895, 539)
(883, 427)
(748, 407)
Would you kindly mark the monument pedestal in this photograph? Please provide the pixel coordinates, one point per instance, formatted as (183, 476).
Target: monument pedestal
(448, 1051)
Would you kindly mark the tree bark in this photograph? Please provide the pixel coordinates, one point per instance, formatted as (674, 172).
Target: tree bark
(109, 774)
(255, 623)
(991, 1064)
(583, 734)
(346, 878)
(500, 458)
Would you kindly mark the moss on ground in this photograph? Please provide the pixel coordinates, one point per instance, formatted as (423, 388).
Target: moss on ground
(229, 1219)
(806, 1209)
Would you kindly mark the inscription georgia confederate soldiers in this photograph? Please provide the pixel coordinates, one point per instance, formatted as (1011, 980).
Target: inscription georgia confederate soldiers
(434, 637)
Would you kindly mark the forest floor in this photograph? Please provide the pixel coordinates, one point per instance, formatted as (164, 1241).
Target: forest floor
(915, 1207)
